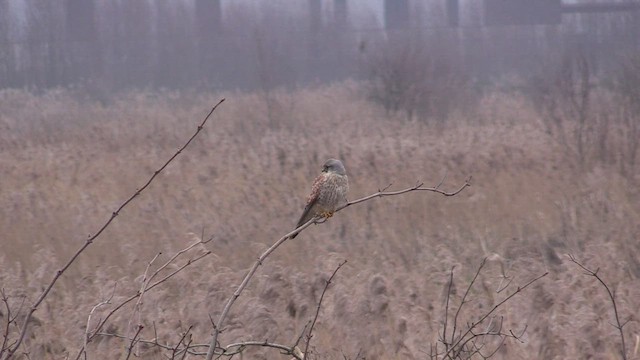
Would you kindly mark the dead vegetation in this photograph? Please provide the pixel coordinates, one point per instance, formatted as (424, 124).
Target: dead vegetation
(67, 163)
(593, 120)
(415, 75)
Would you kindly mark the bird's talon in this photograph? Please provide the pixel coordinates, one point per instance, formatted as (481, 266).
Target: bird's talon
(326, 214)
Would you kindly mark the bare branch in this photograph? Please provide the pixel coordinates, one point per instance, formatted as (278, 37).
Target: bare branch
(464, 297)
(133, 340)
(385, 188)
(5, 335)
(184, 354)
(517, 337)
(245, 281)
(146, 280)
(442, 181)
(315, 318)
(612, 296)
(417, 187)
(230, 350)
(154, 342)
(143, 288)
(175, 351)
(87, 331)
(463, 338)
(502, 287)
(91, 238)
(227, 351)
(190, 261)
(446, 310)
(304, 330)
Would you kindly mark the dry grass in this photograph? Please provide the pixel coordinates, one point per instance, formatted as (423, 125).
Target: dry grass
(66, 164)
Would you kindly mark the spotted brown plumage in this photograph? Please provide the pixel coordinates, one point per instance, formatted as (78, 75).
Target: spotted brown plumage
(329, 190)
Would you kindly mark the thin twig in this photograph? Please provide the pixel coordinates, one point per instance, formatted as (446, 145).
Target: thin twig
(315, 318)
(154, 342)
(87, 332)
(442, 181)
(304, 330)
(175, 351)
(463, 337)
(242, 345)
(184, 354)
(502, 287)
(477, 349)
(137, 308)
(618, 325)
(10, 320)
(93, 237)
(245, 281)
(135, 296)
(464, 297)
(175, 256)
(446, 309)
(5, 336)
(133, 341)
(230, 350)
(385, 188)
(489, 332)
(146, 280)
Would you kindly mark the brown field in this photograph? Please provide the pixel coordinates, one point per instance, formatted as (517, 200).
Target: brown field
(66, 164)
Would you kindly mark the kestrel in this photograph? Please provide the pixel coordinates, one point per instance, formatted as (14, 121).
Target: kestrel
(329, 190)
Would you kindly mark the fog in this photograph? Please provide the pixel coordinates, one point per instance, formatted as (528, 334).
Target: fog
(538, 101)
(110, 45)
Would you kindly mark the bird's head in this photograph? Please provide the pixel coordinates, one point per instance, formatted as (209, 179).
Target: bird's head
(334, 166)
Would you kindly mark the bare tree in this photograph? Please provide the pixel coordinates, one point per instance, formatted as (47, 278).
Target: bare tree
(419, 75)
(563, 99)
(628, 90)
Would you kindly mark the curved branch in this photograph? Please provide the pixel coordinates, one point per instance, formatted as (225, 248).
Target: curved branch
(87, 331)
(418, 187)
(101, 323)
(245, 281)
(315, 318)
(612, 296)
(217, 328)
(463, 337)
(241, 345)
(230, 350)
(187, 348)
(464, 297)
(91, 238)
(133, 341)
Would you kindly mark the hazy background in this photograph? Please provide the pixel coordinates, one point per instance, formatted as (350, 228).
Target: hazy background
(544, 113)
(214, 44)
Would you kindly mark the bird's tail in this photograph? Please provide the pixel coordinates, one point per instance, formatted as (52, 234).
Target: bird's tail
(300, 223)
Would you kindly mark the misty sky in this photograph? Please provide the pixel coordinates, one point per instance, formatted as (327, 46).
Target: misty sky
(362, 13)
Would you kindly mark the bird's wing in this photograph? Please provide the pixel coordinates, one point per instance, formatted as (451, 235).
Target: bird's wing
(312, 199)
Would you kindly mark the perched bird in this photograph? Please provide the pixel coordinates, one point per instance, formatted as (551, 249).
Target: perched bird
(329, 190)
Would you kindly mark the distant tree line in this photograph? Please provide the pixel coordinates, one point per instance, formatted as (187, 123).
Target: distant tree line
(109, 45)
